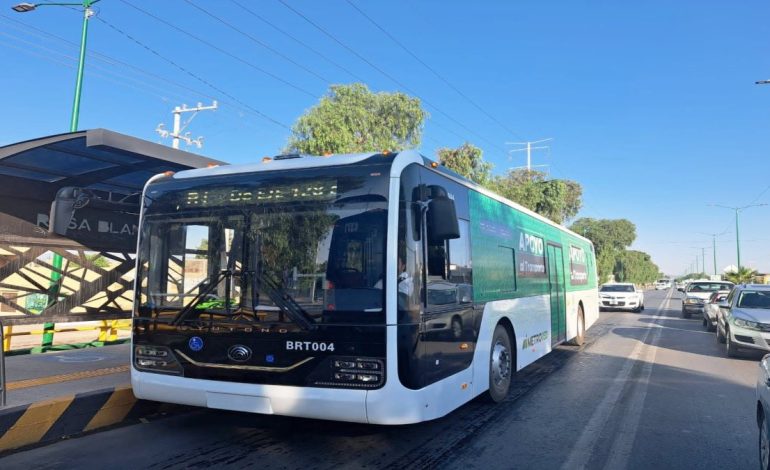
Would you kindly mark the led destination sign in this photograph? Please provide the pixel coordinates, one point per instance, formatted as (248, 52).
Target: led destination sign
(226, 196)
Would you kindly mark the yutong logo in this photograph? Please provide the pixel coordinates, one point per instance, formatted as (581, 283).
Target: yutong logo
(239, 353)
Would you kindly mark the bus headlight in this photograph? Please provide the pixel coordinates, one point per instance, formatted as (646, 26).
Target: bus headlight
(160, 359)
(353, 372)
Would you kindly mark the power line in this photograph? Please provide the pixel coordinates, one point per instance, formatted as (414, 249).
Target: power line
(219, 49)
(388, 75)
(29, 29)
(69, 58)
(434, 72)
(258, 41)
(100, 56)
(193, 75)
(297, 40)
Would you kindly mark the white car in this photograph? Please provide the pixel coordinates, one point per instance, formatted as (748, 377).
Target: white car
(697, 294)
(621, 296)
(744, 319)
(711, 309)
(662, 284)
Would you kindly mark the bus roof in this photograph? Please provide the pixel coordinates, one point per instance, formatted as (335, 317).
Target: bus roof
(397, 159)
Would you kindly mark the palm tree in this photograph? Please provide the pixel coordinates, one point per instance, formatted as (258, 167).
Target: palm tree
(742, 275)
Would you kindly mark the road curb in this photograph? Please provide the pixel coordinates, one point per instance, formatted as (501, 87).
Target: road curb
(71, 415)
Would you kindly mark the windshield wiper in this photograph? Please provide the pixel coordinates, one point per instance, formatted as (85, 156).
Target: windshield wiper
(225, 273)
(286, 303)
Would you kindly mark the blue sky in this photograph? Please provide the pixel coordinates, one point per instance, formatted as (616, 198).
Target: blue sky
(651, 105)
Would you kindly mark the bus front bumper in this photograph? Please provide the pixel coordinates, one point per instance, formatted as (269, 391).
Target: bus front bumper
(308, 402)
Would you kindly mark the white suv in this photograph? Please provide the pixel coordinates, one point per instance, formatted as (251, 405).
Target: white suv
(621, 296)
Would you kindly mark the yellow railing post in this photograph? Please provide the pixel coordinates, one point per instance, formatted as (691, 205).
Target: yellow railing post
(113, 330)
(103, 331)
(8, 330)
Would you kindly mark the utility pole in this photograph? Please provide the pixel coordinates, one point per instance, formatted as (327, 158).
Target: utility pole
(176, 134)
(529, 148)
(737, 237)
(714, 246)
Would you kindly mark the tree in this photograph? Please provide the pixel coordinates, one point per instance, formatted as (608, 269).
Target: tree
(616, 234)
(741, 276)
(610, 238)
(350, 118)
(467, 161)
(635, 266)
(558, 200)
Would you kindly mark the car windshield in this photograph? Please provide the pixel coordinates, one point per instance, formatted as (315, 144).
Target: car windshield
(754, 299)
(708, 286)
(271, 251)
(617, 288)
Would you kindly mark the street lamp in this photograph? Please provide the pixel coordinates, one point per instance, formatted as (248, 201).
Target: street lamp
(737, 237)
(56, 262)
(87, 13)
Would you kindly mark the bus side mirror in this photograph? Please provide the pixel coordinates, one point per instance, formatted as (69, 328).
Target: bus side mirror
(442, 220)
(63, 208)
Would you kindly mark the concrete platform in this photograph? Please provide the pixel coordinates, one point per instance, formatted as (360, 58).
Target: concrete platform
(36, 377)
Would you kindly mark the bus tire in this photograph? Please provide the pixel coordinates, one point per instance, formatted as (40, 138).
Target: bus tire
(580, 337)
(501, 365)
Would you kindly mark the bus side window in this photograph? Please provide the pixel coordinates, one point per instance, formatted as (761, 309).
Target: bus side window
(449, 270)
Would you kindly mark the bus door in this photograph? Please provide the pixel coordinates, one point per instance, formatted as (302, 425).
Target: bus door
(558, 298)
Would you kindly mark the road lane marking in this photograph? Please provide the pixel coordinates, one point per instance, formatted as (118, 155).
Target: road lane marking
(584, 447)
(624, 439)
(52, 379)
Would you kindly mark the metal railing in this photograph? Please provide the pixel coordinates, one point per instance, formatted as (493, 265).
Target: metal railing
(108, 332)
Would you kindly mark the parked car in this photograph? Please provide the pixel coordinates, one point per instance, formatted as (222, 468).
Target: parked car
(621, 296)
(697, 293)
(763, 409)
(744, 319)
(711, 309)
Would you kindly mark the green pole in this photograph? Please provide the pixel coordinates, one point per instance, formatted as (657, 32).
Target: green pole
(48, 328)
(81, 65)
(737, 239)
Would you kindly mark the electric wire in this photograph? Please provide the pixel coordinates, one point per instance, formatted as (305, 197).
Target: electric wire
(298, 41)
(219, 49)
(388, 75)
(434, 72)
(193, 75)
(29, 29)
(257, 41)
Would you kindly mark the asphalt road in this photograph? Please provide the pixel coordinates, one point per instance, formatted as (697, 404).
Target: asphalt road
(649, 390)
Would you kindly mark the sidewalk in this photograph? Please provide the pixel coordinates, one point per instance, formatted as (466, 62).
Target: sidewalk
(37, 377)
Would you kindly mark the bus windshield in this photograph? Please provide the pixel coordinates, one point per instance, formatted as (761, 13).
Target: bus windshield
(268, 251)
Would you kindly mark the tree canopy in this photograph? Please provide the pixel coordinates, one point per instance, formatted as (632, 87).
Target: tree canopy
(635, 266)
(741, 275)
(611, 239)
(351, 118)
(467, 161)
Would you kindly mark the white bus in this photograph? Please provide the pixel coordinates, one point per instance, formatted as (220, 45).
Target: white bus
(374, 288)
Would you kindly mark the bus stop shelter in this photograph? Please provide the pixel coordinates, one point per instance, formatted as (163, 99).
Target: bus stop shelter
(98, 175)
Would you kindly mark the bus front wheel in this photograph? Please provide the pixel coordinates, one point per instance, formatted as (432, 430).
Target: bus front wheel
(501, 365)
